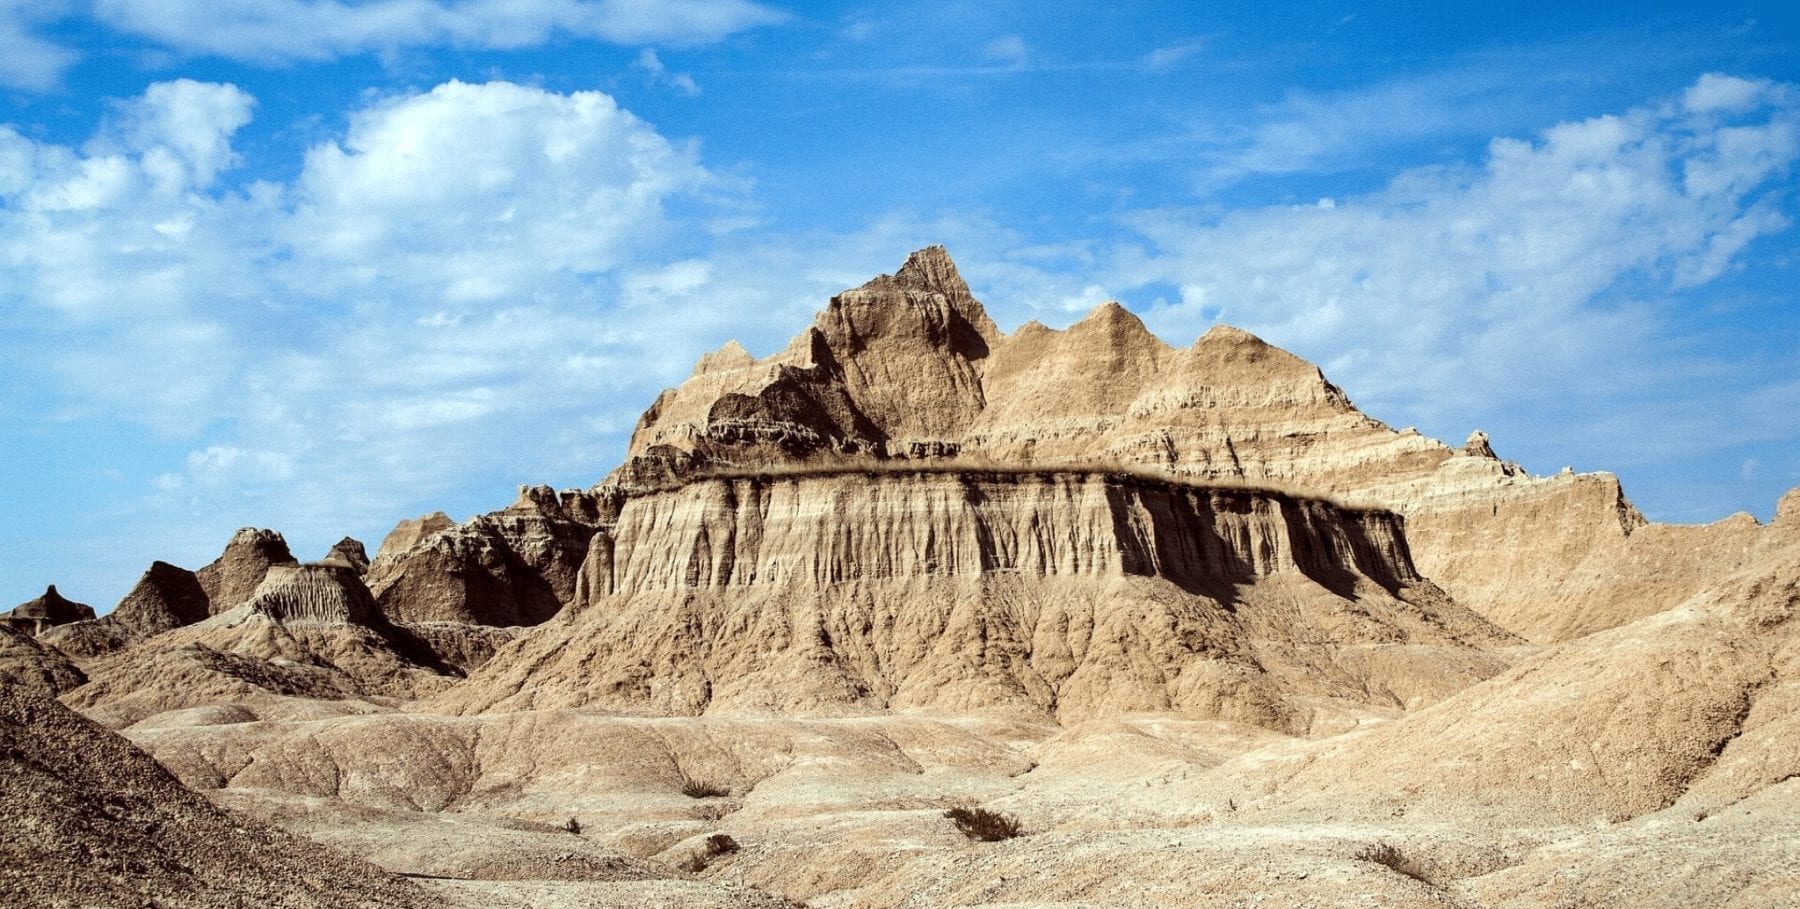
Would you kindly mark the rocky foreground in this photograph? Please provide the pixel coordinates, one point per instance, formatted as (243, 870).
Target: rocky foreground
(1211, 635)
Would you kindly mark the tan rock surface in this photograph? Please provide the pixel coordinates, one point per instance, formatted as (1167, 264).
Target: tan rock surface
(1693, 707)
(165, 598)
(348, 553)
(309, 631)
(512, 568)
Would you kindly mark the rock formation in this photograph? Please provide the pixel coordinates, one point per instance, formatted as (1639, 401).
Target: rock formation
(1696, 707)
(39, 615)
(910, 367)
(231, 578)
(513, 567)
(316, 594)
(307, 631)
(409, 532)
(1175, 609)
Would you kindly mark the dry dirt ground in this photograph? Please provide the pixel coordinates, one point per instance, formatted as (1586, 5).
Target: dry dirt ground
(1123, 812)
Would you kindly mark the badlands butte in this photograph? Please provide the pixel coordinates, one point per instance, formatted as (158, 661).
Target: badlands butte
(1210, 634)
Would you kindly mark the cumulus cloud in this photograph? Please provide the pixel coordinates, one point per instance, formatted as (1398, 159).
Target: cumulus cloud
(119, 243)
(1532, 276)
(479, 192)
(286, 30)
(434, 282)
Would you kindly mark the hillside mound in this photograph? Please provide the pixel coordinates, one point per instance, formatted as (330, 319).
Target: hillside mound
(230, 579)
(348, 553)
(93, 821)
(1696, 707)
(515, 567)
(33, 666)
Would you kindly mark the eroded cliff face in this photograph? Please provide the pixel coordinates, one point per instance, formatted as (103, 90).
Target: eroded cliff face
(910, 367)
(1063, 593)
(848, 525)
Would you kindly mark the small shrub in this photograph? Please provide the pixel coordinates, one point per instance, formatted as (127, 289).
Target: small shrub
(1389, 856)
(716, 845)
(984, 825)
(572, 825)
(701, 789)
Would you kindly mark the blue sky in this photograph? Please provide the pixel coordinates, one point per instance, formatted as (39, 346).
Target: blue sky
(319, 266)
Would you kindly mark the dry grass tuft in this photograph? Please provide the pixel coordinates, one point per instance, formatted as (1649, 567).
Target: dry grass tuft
(1389, 856)
(984, 825)
(703, 789)
(716, 845)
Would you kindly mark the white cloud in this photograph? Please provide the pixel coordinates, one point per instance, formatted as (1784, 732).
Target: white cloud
(475, 193)
(181, 131)
(649, 62)
(1008, 49)
(230, 464)
(285, 30)
(431, 287)
(27, 59)
(1531, 278)
(1170, 55)
(1721, 93)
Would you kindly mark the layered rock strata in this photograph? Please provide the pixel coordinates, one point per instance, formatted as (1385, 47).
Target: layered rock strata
(349, 553)
(307, 631)
(1065, 593)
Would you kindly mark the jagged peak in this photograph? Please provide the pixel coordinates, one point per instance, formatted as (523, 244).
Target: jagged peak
(1787, 510)
(730, 356)
(1117, 323)
(931, 270)
(1478, 446)
(1229, 334)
